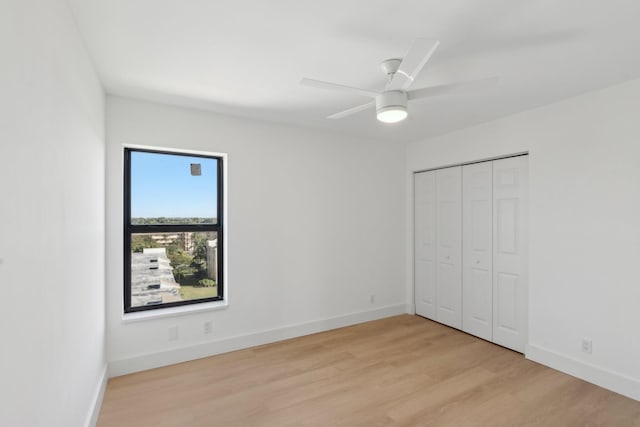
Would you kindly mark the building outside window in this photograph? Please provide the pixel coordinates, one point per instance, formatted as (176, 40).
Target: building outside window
(174, 228)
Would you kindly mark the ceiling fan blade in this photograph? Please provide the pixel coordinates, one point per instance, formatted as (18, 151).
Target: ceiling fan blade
(420, 52)
(342, 88)
(452, 88)
(351, 111)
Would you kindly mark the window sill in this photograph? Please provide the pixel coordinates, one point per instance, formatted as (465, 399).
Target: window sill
(173, 311)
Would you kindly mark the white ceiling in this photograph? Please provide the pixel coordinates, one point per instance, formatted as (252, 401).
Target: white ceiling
(246, 57)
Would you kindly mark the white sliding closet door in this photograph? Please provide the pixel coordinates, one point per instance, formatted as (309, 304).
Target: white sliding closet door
(425, 243)
(477, 249)
(449, 246)
(510, 252)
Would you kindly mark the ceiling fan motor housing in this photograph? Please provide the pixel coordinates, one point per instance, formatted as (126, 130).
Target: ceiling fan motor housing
(391, 99)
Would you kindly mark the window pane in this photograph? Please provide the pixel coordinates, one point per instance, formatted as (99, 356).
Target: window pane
(173, 189)
(171, 267)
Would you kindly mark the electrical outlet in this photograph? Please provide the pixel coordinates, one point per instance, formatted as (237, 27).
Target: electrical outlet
(372, 299)
(208, 327)
(586, 345)
(173, 333)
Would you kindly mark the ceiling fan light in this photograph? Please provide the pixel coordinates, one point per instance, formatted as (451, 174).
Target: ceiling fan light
(391, 106)
(392, 114)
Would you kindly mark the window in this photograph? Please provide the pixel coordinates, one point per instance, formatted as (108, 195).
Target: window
(173, 229)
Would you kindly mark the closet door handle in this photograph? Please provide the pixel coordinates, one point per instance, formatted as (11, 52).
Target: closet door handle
(477, 261)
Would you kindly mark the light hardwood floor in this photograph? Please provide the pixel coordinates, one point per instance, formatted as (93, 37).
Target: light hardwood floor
(403, 370)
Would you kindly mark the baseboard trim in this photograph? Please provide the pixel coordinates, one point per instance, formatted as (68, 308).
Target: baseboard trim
(184, 354)
(622, 384)
(96, 404)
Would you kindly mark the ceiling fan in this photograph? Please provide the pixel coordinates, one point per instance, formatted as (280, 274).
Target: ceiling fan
(391, 103)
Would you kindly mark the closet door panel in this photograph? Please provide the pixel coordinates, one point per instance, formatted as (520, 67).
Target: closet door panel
(449, 246)
(425, 243)
(477, 247)
(510, 290)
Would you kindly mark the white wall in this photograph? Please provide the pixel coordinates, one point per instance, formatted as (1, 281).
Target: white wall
(52, 356)
(315, 226)
(584, 168)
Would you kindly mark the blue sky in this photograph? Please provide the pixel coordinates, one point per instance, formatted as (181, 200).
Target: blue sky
(162, 185)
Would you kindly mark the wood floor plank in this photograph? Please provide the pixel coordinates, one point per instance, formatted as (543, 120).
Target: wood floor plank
(399, 371)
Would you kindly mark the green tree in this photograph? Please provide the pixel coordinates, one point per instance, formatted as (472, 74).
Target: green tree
(178, 256)
(199, 247)
(180, 271)
(142, 241)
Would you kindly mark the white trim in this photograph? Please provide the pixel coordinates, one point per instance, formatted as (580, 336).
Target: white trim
(622, 384)
(473, 162)
(138, 316)
(174, 150)
(178, 355)
(96, 404)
